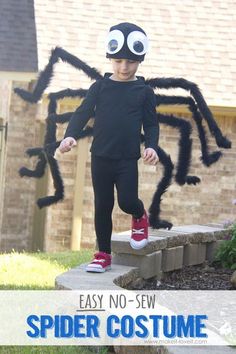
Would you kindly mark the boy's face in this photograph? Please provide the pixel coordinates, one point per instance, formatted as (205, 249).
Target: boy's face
(124, 69)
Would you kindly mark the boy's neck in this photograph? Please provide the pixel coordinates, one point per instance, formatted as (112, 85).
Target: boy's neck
(114, 78)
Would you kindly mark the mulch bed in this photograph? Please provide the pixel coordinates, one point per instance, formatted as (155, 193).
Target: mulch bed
(199, 277)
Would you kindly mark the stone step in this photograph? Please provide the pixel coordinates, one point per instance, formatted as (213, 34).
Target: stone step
(169, 250)
(177, 236)
(78, 279)
(166, 251)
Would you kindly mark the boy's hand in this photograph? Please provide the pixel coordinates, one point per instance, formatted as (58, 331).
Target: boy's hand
(67, 144)
(150, 156)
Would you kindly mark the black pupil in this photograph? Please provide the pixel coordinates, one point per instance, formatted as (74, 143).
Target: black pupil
(138, 46)
(112, 45)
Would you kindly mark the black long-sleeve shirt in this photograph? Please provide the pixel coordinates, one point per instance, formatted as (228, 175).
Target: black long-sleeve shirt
(120, 109)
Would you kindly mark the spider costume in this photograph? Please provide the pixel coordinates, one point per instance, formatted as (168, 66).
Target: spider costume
(126, 39)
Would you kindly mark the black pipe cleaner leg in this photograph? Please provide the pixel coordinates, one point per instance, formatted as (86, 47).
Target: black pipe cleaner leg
(39, 169)
(46, 75)
(49, 151)
(154, 209)
(71, 93)
(50, 145)
(208, 158)
(46, 154)
(50, 136)
(57, 182)
(185, 145)
(168, 83)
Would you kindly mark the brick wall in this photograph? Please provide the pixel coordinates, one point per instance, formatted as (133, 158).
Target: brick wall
(59, 216)
(210, 201)
(5, 93)
(208, 60)
(18, 195)
(186, 40)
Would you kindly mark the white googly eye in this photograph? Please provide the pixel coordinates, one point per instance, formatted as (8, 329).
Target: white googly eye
(114, 42)
(137, 42)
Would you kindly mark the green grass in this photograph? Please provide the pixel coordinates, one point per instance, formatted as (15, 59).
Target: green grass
(37, 271)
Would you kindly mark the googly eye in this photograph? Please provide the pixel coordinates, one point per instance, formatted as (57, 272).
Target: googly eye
(114, 42)
(137, 42)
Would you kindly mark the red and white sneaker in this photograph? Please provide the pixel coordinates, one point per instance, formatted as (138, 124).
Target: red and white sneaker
(100, 263)
(139, 236)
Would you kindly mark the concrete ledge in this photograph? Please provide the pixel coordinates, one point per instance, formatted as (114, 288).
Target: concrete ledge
(177, 236)
(78, 279)
(149, 265)
(120, 244)
(166, 251)
(212, 248)
(194, 254)
(172, 258)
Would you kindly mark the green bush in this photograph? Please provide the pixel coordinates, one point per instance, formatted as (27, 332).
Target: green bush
(226, 254)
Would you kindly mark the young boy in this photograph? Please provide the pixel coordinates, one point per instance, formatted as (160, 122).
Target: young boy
(122, 104)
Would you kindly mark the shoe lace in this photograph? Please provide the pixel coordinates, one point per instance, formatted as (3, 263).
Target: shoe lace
(138, 231)
(100, 260)
(98, 257)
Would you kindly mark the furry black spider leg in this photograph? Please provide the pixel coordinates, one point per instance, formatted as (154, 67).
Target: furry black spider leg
(55, 96)
(53, 117)
(207, 157)
(40, 166)
(50, 148)
(50, 136)
(57, 182)
(167, 83)
(38, 171)
(34, 151)
(50, 145)
(61, 118)
(46, 75)
(185, 145)
(43, 82)
(67, 93)
(71, 59)
(49, 151)
(154, 209)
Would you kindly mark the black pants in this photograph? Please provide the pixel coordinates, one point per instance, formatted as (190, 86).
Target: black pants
(107, 173)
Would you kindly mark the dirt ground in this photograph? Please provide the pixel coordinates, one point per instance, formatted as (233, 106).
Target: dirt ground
(199, 277)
